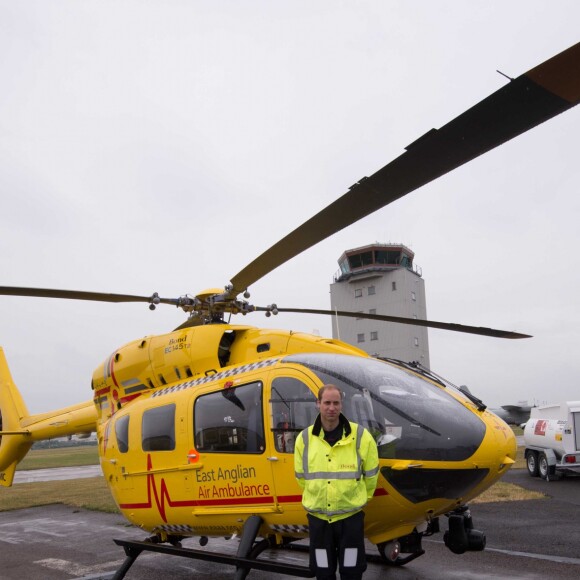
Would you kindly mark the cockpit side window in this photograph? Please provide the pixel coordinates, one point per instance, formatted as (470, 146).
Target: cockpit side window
(409, 417)
(158, 429)
(230, 420)
(122, 433)
(293, 407)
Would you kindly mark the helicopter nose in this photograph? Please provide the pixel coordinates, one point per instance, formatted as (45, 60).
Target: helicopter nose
(495, 454)
(506, 445)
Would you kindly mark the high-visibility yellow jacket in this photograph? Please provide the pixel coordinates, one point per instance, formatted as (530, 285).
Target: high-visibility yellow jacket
(338, 480)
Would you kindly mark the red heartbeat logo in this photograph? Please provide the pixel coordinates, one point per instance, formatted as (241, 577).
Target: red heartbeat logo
(161, 496)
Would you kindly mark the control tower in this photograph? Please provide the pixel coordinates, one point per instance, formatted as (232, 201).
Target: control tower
(381, 279)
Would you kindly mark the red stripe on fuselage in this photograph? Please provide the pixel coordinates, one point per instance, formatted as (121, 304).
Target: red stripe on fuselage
(212, 502)
(104, 391)
(289, 499)
(129, 398)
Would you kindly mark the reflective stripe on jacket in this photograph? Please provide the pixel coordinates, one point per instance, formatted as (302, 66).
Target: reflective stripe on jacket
(337, 480)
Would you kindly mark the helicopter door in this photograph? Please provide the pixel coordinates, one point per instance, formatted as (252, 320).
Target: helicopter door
(115, 454)
(229, 438)
(292, 409)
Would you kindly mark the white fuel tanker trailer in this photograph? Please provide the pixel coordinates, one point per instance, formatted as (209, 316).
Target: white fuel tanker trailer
(552, 440)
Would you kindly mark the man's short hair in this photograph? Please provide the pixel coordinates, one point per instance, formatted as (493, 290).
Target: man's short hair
(328, 387)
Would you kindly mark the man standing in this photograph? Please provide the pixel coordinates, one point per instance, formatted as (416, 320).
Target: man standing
(337, 466)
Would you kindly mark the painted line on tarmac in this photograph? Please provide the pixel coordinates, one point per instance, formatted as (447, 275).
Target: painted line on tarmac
(558, 559)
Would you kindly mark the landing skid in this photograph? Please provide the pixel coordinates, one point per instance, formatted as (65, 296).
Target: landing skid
(244, 560)
(133, 549)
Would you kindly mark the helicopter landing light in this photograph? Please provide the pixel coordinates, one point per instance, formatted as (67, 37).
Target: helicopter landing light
(400, 465)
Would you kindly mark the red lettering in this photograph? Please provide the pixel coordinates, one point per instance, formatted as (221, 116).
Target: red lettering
(540, 428)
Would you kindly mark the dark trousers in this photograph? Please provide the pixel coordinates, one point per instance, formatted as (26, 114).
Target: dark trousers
(341, 543)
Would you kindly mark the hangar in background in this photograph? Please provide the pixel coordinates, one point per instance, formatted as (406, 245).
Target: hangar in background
(381, 279)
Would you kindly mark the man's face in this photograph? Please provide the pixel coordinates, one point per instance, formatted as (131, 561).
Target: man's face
(330, 406)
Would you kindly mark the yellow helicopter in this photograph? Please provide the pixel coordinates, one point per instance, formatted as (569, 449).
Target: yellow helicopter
(196, 427)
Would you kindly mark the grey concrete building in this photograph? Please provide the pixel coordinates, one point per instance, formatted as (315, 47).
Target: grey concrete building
(381, 279)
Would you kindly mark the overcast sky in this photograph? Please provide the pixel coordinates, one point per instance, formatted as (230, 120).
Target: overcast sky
(161, 146)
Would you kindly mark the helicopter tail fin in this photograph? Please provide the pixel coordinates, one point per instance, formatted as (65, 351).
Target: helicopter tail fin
(19, 430)
(14, 441)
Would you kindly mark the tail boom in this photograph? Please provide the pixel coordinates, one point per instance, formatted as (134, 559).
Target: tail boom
(19, 430)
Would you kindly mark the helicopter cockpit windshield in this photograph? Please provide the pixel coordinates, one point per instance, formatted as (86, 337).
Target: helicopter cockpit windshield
(409, 417)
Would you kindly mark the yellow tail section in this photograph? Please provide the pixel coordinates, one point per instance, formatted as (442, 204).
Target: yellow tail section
(19, 430)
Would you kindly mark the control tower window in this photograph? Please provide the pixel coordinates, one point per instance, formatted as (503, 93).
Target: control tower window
(388, 257)
(358, 260)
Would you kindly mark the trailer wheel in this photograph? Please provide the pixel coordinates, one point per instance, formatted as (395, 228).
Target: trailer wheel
(544, 468)
(532, 463)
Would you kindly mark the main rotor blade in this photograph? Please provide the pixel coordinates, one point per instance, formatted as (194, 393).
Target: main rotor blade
(413, 321)
(534, 97)
(78, 295)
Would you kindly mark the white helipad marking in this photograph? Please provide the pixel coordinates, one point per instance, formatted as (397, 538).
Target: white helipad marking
(16, 534)
(46, 529)
(75, 568)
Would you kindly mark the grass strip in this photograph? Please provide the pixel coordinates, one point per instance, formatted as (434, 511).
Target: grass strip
(89, 493)
(503, 491)
(60, 457)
